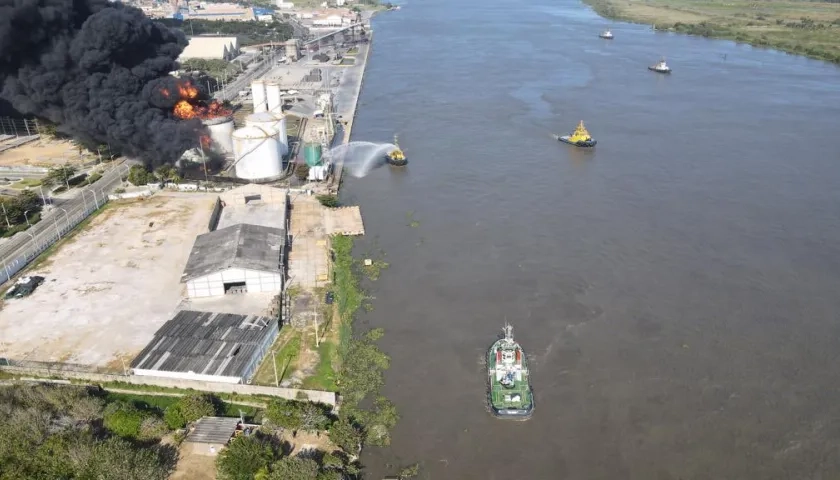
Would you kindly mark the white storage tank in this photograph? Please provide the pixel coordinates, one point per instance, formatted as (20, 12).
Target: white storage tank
(273, 97)
(258, 95)
(277, 121)
(221, 133)
(256, 153)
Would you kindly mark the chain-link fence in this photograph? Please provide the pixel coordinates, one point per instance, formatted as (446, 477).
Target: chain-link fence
(18, 127)
(55, 223)
(53, 228)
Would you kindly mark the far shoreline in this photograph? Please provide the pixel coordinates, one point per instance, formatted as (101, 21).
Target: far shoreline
(798, 32)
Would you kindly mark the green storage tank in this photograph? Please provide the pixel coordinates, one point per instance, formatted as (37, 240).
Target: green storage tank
(312, 154)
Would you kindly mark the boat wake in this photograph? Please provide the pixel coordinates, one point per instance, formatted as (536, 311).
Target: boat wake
(360, 158)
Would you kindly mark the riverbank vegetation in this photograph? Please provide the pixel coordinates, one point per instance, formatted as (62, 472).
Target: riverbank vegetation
(800, 27)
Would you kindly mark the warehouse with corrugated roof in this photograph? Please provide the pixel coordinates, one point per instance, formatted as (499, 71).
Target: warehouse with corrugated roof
(214, 347)
(241, 258)
(210, 48)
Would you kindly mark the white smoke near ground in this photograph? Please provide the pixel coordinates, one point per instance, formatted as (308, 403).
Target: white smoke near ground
(360, 158)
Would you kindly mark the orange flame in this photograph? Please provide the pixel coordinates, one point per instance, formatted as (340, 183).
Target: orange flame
(188, 91)
(190, 106)
(184, 110)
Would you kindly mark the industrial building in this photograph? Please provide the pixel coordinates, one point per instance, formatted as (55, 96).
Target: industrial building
(211, 48)
(236, 259)
(218, 11)
(214, 347)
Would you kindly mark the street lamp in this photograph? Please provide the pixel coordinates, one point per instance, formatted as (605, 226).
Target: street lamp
(27, 218)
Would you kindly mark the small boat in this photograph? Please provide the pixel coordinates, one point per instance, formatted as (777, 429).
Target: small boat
(509, 387)
(606, 34)
(396, 157)
(660, 67)
(580, 137)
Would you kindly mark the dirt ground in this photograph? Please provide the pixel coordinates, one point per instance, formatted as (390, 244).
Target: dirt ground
(194, 464)
(43, 153)
(110, 287)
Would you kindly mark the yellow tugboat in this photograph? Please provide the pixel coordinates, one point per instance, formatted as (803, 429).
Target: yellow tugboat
(396, 157)
(580, 137)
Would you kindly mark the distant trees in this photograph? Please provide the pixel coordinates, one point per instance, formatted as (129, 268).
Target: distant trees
(54, 432)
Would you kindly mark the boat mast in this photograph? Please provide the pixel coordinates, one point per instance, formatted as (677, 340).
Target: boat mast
(508, 332)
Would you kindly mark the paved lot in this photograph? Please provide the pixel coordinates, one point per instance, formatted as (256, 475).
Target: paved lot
(110, 288)
(309, 257)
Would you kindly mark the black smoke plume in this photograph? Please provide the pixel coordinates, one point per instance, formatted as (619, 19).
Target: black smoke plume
(98, 70)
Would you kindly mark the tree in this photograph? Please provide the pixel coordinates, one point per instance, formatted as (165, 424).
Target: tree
(244, 457)
(139, 175)
(295, 415)
(294, 468)
(59, 175)
(346, 435)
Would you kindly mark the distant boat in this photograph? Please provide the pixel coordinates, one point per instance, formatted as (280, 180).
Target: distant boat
(580, 137)
(660, 67)
(606, 34)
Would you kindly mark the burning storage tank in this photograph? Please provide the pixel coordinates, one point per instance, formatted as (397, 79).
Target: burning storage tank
(221, 133)
(276, 121)
(258, 95)
(256, 153)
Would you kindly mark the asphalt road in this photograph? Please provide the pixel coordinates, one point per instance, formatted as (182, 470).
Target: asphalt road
(63, 210)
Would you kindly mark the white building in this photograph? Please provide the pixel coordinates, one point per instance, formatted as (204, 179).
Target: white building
(219, 48)
(329, 21)
(237, 259)
(285, 5)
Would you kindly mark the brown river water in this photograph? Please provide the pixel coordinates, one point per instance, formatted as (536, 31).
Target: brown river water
(677, 289)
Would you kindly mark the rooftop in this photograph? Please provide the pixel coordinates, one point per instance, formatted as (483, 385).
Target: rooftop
(213, 430)
(251, 247)
(206, 343)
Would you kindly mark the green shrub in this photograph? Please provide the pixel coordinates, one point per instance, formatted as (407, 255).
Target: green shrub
(93, 178)
(123, 419)
(173, 417)
(329, 201)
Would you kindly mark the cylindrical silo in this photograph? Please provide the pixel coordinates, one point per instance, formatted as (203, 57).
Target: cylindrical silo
(258, 95)
(256, 153)
(312, 154)
(272, 96)
(274, 120)
(221, 133)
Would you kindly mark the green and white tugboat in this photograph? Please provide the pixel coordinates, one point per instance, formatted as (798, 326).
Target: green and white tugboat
(509, 388)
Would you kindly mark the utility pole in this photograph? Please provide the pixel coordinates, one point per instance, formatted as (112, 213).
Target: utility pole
(6, 215)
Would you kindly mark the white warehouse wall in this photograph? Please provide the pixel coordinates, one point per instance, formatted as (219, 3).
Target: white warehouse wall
(256, 281)
(186, 376)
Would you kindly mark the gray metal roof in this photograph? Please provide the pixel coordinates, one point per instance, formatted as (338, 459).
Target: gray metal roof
(220, 344)
(213, 430)
(239, 246)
